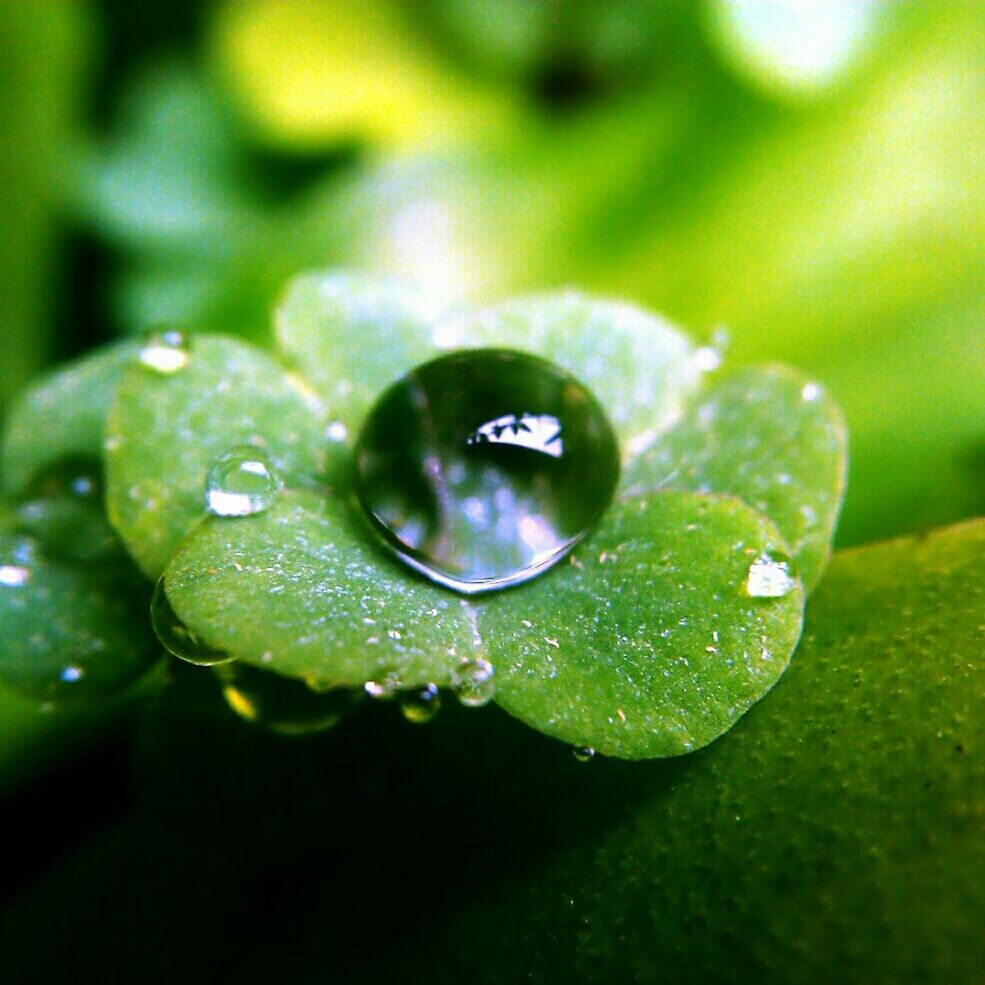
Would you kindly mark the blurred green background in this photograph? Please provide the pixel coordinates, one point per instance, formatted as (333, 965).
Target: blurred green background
(805, 176)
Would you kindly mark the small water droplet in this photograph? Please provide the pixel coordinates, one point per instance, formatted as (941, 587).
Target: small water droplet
(384, 687)
(336, 431)
(584, 754)
(770, 576)
(71, 674)
(241, 483)
(282, 705)
(14, 575)
(472, 682)
(482, 468)
(810, 392)
(176, 637)
(420, 705)
(165, 352)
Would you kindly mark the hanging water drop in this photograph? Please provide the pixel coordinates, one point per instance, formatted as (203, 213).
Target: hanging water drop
(242, 482)
(583, 754)
(421, 704)
(282, 705)
(384, 687)
(472, 682)
(484, 467)
(176, 637)
(165, 352)
(770, 576)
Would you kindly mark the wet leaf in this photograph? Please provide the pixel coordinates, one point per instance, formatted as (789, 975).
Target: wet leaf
(68, 407)
(648, 643)
(351, 335)
(165, 431)
(768, 436)
(303, 590)
(70, 631)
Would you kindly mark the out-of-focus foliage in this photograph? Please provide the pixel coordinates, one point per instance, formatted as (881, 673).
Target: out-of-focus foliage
(42, 56)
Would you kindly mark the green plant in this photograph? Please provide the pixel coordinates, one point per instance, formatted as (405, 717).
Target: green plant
(664, 628)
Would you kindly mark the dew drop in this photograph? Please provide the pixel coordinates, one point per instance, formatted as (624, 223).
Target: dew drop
(421, 704)
(165, 352)
(484, 467)
(242, 482)
(384, 687)
(583, 754)
(282, 705)
(472, 682)
(770, 576)
(176, 637)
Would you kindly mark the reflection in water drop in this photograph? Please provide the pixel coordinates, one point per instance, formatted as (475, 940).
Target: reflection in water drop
(484, 467)
(176, 637)
(584, 754)
(282, 705)
(242, 482)
(473, 683)
(384, 687)
(165, 352)
(421, 704)
(770, 576)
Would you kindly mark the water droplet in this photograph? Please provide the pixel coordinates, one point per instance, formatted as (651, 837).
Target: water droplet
(384, 687)
(810, 392)
(281, 704)
(336, 431)
(176, 637)
(484, 467)
(242, 482)
(165, 352)
(770, 576)
(71, 674)
(473, 683)
(584, 754)
(14, 575)
(421, 704)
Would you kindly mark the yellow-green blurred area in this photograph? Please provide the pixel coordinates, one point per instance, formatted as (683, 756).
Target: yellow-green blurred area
(804, 174)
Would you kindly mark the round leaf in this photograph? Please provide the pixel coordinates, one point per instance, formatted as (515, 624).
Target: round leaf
(768, 436)
(68, 408)
(648, 643)
(303, 590)
(165, 431)
(352, 335)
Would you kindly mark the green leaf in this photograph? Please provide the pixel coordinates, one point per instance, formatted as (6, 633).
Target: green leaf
(352, 335)
(768, 436)
(166, 429)
(648, 643)
(68, 407)
(70, 631)
(805, 845)
(638, 366)
(302, 590)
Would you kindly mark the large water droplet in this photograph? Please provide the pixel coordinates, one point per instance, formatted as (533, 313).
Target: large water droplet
(583, 754)
(770, 576)
(473, 683)
(242, 482)
(421, 704)
(281, 704)
(165, 352)
(484, 467)
(176, 637)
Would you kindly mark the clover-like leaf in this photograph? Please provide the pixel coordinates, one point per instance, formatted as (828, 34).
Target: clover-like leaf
(68, 408)
(165, 430)
(639, 366)
(351, 334)
(648, 643)
(69, 629)
(302, 589)
(677, 614)
(772, 438)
